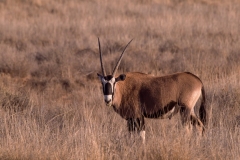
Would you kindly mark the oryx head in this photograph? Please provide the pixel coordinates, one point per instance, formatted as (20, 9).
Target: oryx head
(109, 81)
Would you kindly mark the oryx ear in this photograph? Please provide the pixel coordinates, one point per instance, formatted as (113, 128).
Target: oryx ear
(100, 76)
(120, 78)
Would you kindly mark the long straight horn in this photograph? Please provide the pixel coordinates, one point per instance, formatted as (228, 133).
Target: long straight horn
(118, 63)
(100, 51)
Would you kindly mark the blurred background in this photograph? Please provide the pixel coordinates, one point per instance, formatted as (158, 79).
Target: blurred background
(51, 102)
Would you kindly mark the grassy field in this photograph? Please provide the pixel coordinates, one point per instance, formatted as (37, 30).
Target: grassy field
(51, 102)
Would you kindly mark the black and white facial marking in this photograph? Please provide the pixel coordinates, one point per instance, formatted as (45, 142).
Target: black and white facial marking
(108, 86)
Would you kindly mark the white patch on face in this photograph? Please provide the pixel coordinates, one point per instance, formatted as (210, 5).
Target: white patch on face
(111, 81)
(108, 98)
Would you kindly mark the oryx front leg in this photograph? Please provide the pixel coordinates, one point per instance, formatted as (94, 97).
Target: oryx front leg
(137, 125)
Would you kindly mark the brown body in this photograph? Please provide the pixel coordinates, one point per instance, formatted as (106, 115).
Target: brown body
(154, 97)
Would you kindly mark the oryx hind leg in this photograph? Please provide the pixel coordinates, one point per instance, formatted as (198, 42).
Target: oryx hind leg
(185, 118)
(197, 123)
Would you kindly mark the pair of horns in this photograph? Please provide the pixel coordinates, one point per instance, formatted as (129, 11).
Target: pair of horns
(118, 63)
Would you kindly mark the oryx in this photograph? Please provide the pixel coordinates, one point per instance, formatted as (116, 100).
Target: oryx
(135, 96)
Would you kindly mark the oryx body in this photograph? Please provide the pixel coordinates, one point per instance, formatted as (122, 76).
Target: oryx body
(135, 96)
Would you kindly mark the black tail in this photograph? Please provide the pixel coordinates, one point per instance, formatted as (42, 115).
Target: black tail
(202, 109)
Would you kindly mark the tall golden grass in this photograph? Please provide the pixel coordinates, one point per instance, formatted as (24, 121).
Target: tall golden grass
(51, 100)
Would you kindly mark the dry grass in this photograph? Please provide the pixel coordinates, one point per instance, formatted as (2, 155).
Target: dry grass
(51, 101)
